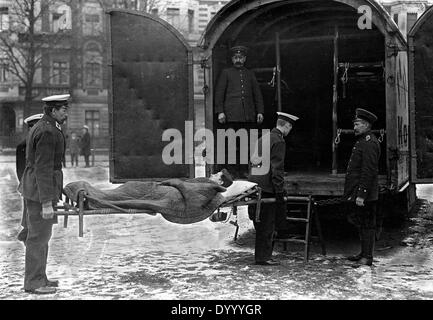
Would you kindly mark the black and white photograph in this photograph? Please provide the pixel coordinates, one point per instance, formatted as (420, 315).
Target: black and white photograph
(216, 155)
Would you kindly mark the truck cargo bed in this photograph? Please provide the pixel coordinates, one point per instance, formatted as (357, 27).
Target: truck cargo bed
(317, 183)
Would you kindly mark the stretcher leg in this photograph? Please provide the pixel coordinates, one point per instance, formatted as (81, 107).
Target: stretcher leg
(319, 230)
(259, 203)
(80, 213)
(235, 213)
(65, 218)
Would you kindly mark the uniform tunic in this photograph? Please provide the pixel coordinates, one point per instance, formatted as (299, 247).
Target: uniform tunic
(362, 181)
(363, 169)
(42, 178)
(273, 180)
(238, 95)
(271, 183)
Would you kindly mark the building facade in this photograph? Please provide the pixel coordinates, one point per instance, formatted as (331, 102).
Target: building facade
(405, 13)
(76, 64)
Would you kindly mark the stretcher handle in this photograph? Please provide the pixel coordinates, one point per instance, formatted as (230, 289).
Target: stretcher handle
(259, 203)
(80, 213)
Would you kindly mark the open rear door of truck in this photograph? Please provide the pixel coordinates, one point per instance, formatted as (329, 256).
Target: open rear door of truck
(150, 96)
(420, 40)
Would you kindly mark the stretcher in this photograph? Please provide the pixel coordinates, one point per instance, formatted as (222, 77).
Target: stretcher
(250, 196)
(77, 208)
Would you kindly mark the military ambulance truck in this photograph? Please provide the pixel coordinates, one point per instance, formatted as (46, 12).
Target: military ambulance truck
(317, 59)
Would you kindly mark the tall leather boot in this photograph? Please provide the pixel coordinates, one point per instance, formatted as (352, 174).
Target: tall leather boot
(361, 254)
(369, 238)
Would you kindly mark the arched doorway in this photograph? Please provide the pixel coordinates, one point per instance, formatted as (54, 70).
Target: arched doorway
(328, 66)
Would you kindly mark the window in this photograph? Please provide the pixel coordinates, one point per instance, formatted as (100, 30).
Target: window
(127, 4)
(92, 120)
(4, 18)
(93, 74)
(60, 72)
(395, 18)
(411, 19)
(61, 19)
(133, 5)
(92, 65)
(92, 25)
(190, 21)
(173, 16)
(154, 11)
(4, 67)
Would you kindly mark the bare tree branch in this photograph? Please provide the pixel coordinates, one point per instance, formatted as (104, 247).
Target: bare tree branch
(25, 41)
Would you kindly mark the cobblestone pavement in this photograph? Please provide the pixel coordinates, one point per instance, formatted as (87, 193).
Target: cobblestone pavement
(146, 257)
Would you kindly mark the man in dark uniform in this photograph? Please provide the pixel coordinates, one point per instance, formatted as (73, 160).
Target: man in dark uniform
(272, 184)
(238, 102)
(20, 161)
(85, 145)
(361, 188)
(41, 188)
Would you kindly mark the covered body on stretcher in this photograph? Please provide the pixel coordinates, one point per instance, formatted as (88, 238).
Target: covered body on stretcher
(178, 201)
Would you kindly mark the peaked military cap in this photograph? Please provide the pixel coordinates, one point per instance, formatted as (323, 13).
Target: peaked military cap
(239, 50)
(287, 117)
(362, 114)
(33, 118)
(58, 99)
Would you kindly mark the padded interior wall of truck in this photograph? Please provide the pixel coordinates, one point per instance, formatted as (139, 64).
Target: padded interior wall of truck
(306, 32)
(421, 81)
(151, 66)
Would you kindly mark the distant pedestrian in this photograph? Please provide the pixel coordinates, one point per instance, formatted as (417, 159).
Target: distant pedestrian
(20, 161)
(74, 148)
(85, 145)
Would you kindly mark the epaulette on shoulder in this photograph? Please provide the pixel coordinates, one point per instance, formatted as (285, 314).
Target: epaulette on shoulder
(371, 138)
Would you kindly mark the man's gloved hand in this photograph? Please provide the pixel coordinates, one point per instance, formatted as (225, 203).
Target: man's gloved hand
(259, 118)
(47, 210)
(359, 202)
(222, 118)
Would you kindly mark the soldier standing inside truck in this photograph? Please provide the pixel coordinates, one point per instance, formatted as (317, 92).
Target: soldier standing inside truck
(238, 103)
(361, 188)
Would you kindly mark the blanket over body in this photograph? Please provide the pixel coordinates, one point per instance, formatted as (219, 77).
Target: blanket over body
(178, 201)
